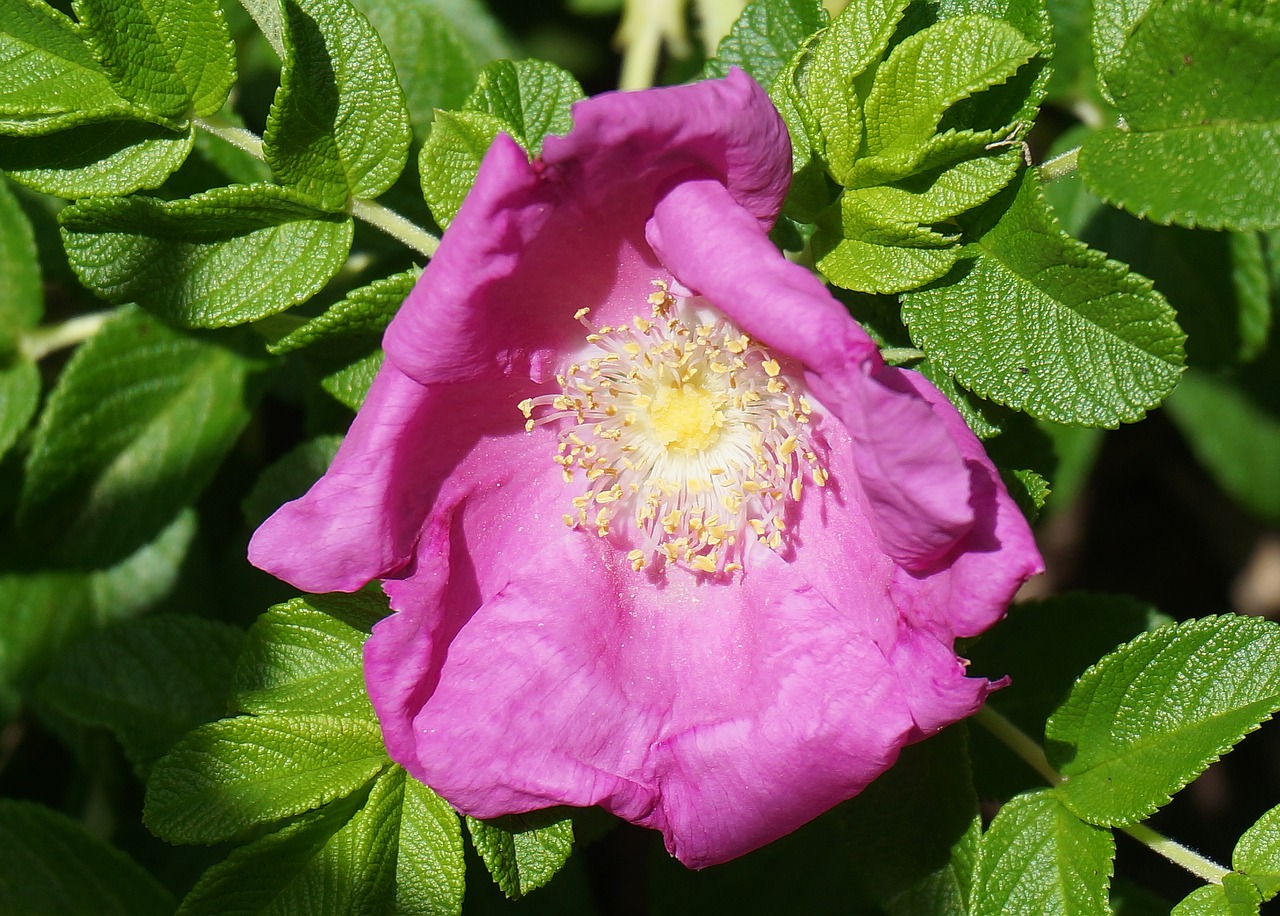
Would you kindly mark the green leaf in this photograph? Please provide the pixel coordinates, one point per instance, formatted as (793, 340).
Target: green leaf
(530, 97)
(19, 397)
(1202, 146)
(49, 76)
(1037, 857)
(451, 158)
(934, 69)
(338, 127)
(21, 302)
(91, 160)
(173, 58)
(305, 657)
(350, 385)
(364, 312)
(1235, 896)
(430, 869)
(436, 66)
(523, 851)
(765, 37)
(873, 267)
(147, 576)
(1152, 715)
(1232, 423)
(1257, 854)
(149, 681)
(1037, 321)
(289, 478)
(135, 427)
(51, 864)
(228, 776)
(916, 828)
(224, 257)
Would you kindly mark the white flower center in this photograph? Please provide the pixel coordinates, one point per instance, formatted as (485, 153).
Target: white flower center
(688, 436)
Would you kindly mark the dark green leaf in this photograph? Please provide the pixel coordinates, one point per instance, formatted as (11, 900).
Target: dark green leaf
(228, 776)
(149, 681)
(1257, 854)
(19, 397)
(135, 427)
(1037, 321)
(301, 659)
(523, 851)
(51, 864)
(289, 478)
(21, 303)
(765, 37)
(451, 157)
(338, 128)
(1153, 714)
(530, 97)
(109, 157)
(225, 257)
(1036, 857)
(172, 58)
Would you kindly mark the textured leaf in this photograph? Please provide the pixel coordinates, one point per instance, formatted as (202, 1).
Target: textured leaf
(1037, 321)
(172, 57)
(1151, 716)
(1257, 854)
(765, 37)
(338, 127)
(364, 312)
(19, 397)
(451, 157)
(289, 478)
(430, 868)
(1235, 896)
(225, 257)
(873, 267)
(1203, 143)
(48, 77)
(51, 864)
(109, 157)
(135, 427)
(530, 97)
(1036, 857)
(300, 658)
(228, 776)
(21, 303)
(523, 851)
(149, 681)
(350, 385)
(915, 829)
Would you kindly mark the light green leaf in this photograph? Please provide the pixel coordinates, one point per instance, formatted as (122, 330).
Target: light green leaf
(225, 777)
(1257, 854)
(173, 58)
(935, 196)
(48, 76)
(915, 829)
(1035, 320)
(530, 97)
(338, 127)
(1202, 146)
(1235, 896)
(304, 657)
(1151, 716)
(872, 267)
(1113, 22)
(364, 312)
(981, 417)
(934, 69)
(765, 37)
(350, 385)
(149, 681)
(21, 301)
(91, 160)
(135, 427)
(430, 869)
(51, 864)
(523, 851)
(269, 18)
(1037, 857)
(289, 478)
(224, 257)
(451, 157)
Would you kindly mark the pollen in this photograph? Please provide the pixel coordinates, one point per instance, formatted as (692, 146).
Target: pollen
(687, 437)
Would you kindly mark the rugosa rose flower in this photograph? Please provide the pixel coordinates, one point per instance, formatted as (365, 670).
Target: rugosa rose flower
(661, 530)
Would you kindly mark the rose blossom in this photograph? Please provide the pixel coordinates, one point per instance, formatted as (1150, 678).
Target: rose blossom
(662, 531)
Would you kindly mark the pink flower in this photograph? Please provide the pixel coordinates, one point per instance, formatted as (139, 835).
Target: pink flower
(662, 531)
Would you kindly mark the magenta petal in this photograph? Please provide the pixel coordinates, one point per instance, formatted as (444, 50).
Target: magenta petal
(910, 469)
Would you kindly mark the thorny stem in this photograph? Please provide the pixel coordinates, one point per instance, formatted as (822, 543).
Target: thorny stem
(372, 212)
(39, 343)
(1061, 166)
(1033, 754)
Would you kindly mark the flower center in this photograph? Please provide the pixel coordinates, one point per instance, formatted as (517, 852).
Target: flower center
(688, 437)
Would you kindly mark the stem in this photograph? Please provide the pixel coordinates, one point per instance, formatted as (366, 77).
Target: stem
(39, 343)
(1017, 741)
(1061, 166)
(895, 356)
(372, 212)
(646, 24)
